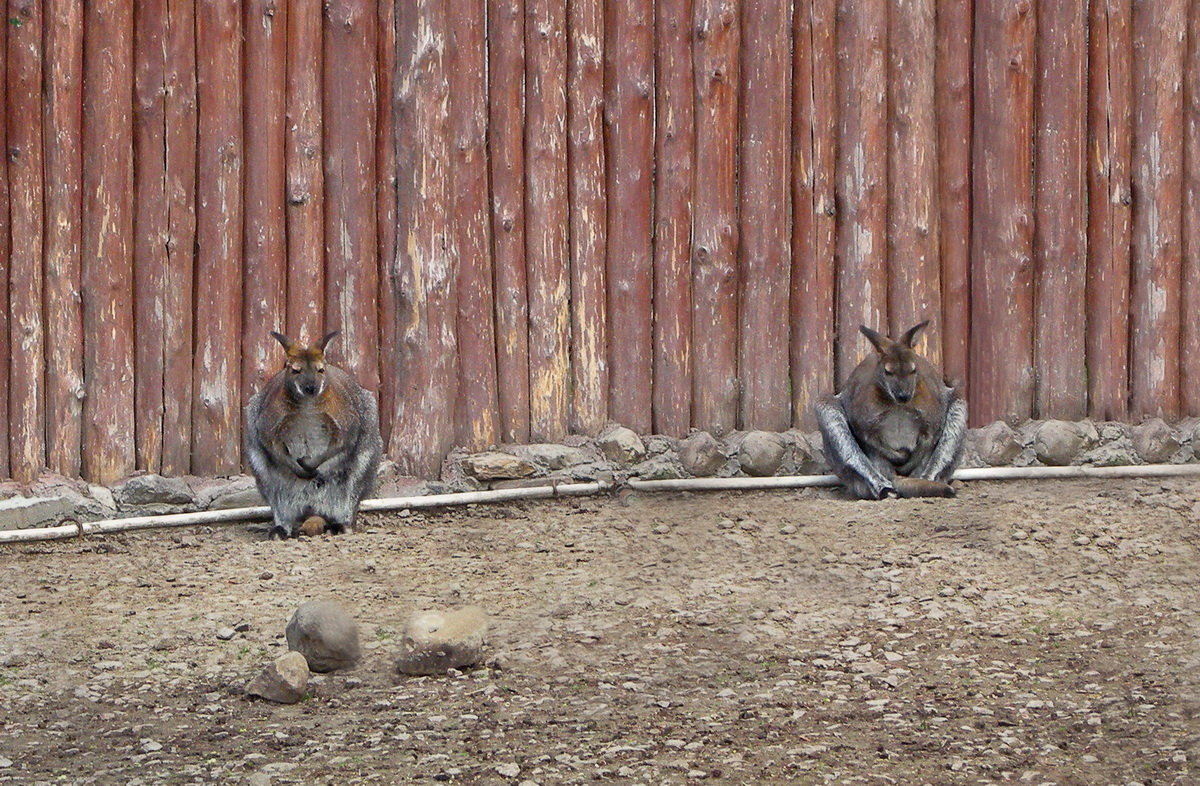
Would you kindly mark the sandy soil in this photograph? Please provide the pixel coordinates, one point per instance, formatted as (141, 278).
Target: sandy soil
(1029, 633)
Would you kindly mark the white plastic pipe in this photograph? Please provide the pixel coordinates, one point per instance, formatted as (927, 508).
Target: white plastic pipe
(234, 515)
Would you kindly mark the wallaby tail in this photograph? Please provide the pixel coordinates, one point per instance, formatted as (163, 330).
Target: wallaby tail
(919, 487)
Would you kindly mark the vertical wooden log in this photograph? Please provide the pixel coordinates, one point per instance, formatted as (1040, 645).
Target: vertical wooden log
(765, 250)
(216, 417)
(861, 177)
(150, 229)
(914, 264)
(674, 155)
(1060, 237)
(955, 30)
(476, 408)
(1189, 382)
(629, 82)
(305, 180)
(814, 274)
(714, 217)
(350, 242)
(385, 204)
(178, 321)
(107, 242)
(27, 392)
(1158, 48)
(546, 217)
(264, 295)
(425, 272)
(5, 351)
(1110, 139)
(586, 183)
(62, 129)
(506, 144)
(1002, 222)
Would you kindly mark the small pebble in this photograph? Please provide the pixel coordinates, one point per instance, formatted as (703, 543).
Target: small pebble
(226, 633)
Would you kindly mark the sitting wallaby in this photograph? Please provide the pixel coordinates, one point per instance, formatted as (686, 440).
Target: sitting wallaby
(312, 437)
(896, 428)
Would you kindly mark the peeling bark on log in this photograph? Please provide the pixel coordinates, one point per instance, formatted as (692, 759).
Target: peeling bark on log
(546, 217)
(1002, 226)
(629, 78)
(714, 217)
(765, 249)
(1158, 50)
(216, 416)
(178, 318)
(1110, 196)
(352, 303)
(1060, 237)
(62, 131)
(5, 352)
(954, 121)
(588, 204)
(814, 145)
(861, 178)
(265, 293)
(149, 229)
(914, 263)
(27, 393)
(506, 144)
(675, 149)
(1189, 383)
(107, 243)
(305, 176)
(385, 205)
(475, 410)
(425, 276)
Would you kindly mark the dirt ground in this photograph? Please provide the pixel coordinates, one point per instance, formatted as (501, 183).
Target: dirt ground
(1032, 633)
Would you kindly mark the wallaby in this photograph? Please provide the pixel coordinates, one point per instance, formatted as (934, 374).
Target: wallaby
(896, 428)
(312, 436)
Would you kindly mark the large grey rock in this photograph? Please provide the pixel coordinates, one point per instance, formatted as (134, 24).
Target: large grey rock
(553, 456)
(661, 467)
(283, 681)
(1058, 442)
(761, 453)
(622, 445)
(435, 641)
(325, 635)
(1155, 441)
(494, 465)
(701, 454)
(31, 512)
(153, 494)
(997, 444)
(226, 493)
(389, 482)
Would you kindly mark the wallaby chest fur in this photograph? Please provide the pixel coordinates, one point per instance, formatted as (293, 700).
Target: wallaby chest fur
(899, 432)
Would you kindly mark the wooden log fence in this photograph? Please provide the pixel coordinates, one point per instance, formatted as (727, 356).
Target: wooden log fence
(530, 219)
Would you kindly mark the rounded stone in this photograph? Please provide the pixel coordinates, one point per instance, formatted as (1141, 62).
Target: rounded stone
(283, 681)
(435, 641)
(1155, 441)
(325, 635)
(761, 453)
(701, 454)
(1057, 442)
(996, 444)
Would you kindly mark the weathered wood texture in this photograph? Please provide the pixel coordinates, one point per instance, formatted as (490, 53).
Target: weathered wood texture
(1158, 49)
(62, 128)
(546, 217)
(862, 192)
(1060, 236)
(1001, 359)
(506, 145)
(714, 217)
(1110, 199)
(765, 250)
(23, 113)
(629, 78)
(588, 200)
(531, 218)
(217, 399)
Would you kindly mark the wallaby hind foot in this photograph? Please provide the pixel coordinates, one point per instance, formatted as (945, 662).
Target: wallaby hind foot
(919, 487)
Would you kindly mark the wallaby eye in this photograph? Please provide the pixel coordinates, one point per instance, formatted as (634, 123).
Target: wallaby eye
(321, 370)
(294, 370)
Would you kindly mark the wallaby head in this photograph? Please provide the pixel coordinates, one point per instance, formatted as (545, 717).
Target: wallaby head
(896, 372)
(304, 366)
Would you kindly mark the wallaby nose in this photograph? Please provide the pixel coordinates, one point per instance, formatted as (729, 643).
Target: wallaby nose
(309, 390)
(903, 397)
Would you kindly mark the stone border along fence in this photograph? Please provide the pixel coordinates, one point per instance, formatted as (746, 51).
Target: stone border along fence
(618, 453)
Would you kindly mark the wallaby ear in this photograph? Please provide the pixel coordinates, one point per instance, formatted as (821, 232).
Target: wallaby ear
(910, 336)
(881, 342)
(325, 341)
(282, 339)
